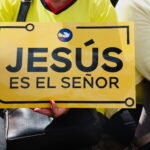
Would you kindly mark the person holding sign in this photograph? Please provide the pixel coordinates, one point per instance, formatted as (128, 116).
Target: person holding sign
(138, 11)
(59, 11)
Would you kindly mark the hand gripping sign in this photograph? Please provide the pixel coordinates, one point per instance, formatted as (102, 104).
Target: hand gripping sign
(75, 64)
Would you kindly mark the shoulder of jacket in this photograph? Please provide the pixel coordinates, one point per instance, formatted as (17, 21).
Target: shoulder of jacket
(10, 4)
(10, 9)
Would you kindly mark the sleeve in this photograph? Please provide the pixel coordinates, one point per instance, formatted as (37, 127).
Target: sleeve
(103, 11)
(139, 12)
(8, 9)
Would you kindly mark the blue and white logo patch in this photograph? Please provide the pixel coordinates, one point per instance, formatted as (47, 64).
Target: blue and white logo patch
(64, 35)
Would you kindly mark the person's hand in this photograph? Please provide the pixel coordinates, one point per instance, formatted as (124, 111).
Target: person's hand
(53, 111)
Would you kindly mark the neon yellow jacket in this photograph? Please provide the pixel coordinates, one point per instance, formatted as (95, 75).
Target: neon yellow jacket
(80, 11)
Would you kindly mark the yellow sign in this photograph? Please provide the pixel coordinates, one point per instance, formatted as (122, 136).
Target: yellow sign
(75, 64)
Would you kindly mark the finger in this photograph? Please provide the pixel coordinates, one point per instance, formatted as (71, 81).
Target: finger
(56, 110)
(53, 105)
(44, 111)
